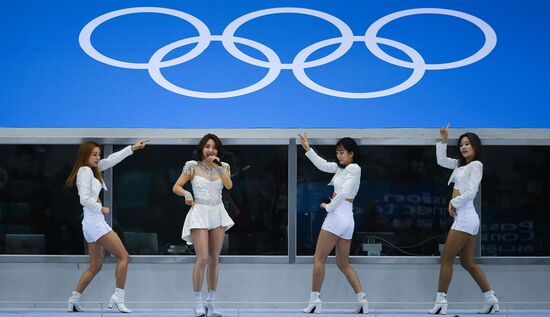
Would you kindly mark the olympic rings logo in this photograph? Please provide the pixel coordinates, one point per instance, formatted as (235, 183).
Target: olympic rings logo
(299, 64)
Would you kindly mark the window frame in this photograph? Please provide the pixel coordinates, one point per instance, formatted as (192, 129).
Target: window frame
(109, 138)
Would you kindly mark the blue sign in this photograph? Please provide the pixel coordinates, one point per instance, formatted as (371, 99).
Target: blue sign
(274, 64)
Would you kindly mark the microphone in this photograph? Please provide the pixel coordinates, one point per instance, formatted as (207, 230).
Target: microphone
(215, 161)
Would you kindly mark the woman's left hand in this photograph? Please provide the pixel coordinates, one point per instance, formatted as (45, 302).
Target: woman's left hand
(213, 158)
(452, 210)
(140, 145)
(324, 206)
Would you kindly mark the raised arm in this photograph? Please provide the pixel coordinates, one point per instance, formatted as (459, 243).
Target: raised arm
(442, 159)
(441, 150)
(475, 173)
(117, 157)
(321, 163)
(225, 175)
(318, 161)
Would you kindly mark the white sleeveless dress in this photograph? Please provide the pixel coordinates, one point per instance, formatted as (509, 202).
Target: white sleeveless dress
(208, 211)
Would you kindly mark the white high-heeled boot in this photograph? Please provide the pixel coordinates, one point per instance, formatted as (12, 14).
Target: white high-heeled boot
(315, 304)
(491, 303)
(210, 309)
(199, 308)
(362, 304)
(73, 302)
(118, 299)
(440, 306)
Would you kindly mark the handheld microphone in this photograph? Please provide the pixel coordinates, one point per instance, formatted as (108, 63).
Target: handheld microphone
(215, 161)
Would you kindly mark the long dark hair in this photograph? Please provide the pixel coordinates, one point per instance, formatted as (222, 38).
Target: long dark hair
(349, 145)
(476, 145)
(197, 154)
(84, 152)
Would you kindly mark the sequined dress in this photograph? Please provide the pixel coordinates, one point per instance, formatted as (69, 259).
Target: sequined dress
(208, 211)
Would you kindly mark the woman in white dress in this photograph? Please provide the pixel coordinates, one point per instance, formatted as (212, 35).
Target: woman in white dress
(337, 229)
(86, 175)
(207, 220)
(461, 239)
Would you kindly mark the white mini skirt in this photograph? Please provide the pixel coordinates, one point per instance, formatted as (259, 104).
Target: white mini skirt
(340, 221)
(205, 216)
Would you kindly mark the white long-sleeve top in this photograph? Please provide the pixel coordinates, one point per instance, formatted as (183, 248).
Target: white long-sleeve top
(89, 187)
(346, 181)
(466, 178)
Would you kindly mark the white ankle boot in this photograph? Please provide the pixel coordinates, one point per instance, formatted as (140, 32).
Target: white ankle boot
(211, 310)
(118, 300)
(440, 307)
(315, 304)
(491, 303)
(362, 304)
(199, 308)
(73, 302)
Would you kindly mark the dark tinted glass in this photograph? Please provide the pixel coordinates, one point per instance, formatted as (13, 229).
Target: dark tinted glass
(38, 213)
(401, 206)
(149, 216)
(515, 201)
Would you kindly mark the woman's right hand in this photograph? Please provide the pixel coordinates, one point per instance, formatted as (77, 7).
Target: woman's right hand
(444, 133)
(105, 210)
(304, 141)
(189, 201)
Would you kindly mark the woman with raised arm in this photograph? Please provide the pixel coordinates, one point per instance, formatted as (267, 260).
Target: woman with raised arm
(337, 229)
(461, 239)
(207, 220)
(86, 175)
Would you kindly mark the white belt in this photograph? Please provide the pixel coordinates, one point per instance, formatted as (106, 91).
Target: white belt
(209, 202)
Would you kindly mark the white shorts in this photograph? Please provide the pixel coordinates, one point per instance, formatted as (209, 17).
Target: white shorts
(340, 221)
(466, 219)
(94, 227)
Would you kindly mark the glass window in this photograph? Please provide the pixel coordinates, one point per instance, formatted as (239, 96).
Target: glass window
(149, 216)
(515, 201)
(401, 207)
(38, 213)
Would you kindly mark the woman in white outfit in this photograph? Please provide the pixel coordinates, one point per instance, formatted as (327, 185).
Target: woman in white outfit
(337, 229)
(86, 175)
(461, 239)
(207, 220)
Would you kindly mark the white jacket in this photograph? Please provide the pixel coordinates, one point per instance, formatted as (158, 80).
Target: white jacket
(466, 178)
(346, 181)
(89, 187)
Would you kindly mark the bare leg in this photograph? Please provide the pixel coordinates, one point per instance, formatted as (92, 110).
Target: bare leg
(111, 242)
(325, 243)
(342, 261)
(95, 253)
(215, 243)
(454, 244)
(467, 262)
(200, 240)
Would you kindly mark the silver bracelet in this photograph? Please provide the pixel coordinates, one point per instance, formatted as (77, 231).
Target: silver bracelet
(187, 195)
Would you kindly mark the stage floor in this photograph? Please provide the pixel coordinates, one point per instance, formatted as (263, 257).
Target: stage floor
(50, 312)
